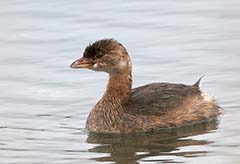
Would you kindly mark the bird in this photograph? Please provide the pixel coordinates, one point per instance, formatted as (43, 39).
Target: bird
(151, 107)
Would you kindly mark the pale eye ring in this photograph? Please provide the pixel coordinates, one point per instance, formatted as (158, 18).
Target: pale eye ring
(99, 54)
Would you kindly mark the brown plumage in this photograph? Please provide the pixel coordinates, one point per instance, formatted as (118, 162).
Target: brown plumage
(146, 108)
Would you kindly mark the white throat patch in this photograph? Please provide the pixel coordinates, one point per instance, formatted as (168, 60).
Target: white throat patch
(95, 65)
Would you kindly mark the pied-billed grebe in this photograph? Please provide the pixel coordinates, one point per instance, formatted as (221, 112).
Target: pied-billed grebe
(142, 109)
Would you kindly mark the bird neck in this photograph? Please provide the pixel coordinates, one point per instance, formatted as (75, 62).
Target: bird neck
(119, 86)
(109, 111)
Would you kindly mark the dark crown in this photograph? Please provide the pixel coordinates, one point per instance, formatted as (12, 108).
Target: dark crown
(100, 48)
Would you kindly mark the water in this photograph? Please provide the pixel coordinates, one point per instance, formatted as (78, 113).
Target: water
(44, 104)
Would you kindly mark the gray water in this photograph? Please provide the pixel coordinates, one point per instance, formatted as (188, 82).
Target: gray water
(44, 104)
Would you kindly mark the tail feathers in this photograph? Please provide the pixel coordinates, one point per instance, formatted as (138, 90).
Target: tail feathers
(197, 83)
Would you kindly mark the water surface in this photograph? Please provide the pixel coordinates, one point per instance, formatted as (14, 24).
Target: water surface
(44, 104)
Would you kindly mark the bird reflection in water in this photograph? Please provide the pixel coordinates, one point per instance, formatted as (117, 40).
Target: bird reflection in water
(131, 148)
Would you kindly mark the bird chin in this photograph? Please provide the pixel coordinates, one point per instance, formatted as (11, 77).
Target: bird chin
(97, 67)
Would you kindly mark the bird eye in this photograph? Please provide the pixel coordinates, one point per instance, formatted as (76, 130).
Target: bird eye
(99, 54)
